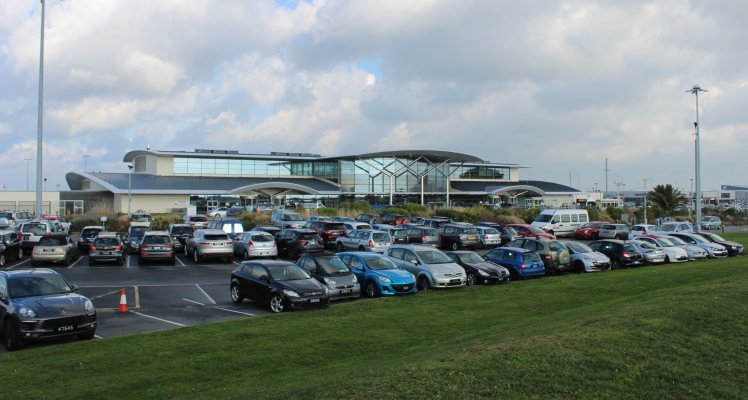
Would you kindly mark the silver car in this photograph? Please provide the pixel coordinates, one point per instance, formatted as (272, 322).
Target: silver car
(715, 250)
(209, 243)
(364, 240)
(693, 252)
(488, 237)
(55, 248)
(673, 253)
(432, 268)
(583, 259)
(255, 244)
(614, 231)
(652, 253)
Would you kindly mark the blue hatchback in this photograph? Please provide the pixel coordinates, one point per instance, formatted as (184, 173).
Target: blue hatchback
(378, 275)
(521, 263)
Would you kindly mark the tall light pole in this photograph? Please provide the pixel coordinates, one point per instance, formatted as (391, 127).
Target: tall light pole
(85, 162)
(27, 172)
(129, 190)
(695, 91)
(39, 131)
(645, 201)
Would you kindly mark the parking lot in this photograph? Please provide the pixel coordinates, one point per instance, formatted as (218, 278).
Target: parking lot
(158, 296)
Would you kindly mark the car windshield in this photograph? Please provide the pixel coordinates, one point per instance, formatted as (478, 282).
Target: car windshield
(661, 242)
(699, 239)
(379, 263)
(181, 230)
(89, 233)
(433, 257)
(333, 265)
(290, 272)
(544, 218)
(676, 241)
(667, 227)
(140, 218)
(52, 241)
(490, 231)
(715, 237)
(198, 218)
(381, 236)
(577, 247)
(470, 258)
(647, 245)
(508, 230)
(29, 286)
(35, 229)
(535, 230)
(292, 217)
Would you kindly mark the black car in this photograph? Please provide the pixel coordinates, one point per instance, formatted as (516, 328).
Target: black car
(330, 271)
(508, 234)
(422, 235)
(479, 271)
(87, 236)
(733, 249)
(10, 247)
(280, 284)
(38, 304)
(107, 247)
(294, 242)
(132, 244)
(329, 231)
(179, 234)
(621, 254)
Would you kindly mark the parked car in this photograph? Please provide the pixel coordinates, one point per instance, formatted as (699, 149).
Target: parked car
(554, 254)
(319, 218)
(561, 222)
(156, 246)
(589, 231)
(614, 231)
(107, 247)
(711, 222)
(620, 253)
(32, 231)
(286, 219)
(273, 230)
(395, 219)
(253, 244)
(694, 252)
(676, 227)
(235, 211)
(196, 221)
(369, 218)
(10, 247)
(583, 259)
(397, 233)
(458, 236)
(16, 218)
(209, 243)
(141, 219)
(280, 284)
(432, 268)
(330, 271)
(423, 235)
(179, 234)
(652, 254)
(364, 240)
(40, 304)
(508, 233)
(55, 248)
(713, 249)
(479, 271)
(232, 227)
(352, 226)
(87, 236)
(673, 253)
(328, 231)
(294, 242)
(488, 237)
(733, 248)
(436, 222)
(378, 275)
(134, 236)
(220, 211)
(525, 230)
(521, 263)
(640, 230)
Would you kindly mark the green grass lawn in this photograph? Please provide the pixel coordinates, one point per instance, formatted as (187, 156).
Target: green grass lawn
(673, 332)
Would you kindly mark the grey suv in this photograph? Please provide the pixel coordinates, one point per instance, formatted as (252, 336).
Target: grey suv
(209, 243)
(432, 268)
(364, 240)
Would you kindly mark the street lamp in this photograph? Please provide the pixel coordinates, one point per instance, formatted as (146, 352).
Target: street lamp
(45, 184)
(129, 190)
(645, 201)
(85, 162)
(690, 199)
(39, 131)
(695, 91)
(27, 172)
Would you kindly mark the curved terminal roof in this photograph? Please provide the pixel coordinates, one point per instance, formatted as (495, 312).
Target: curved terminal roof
(496, 188)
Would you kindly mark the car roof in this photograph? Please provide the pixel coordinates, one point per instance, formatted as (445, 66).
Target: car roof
(28, 272)
(610, 240)
(151, 233)
(518, 249)
(268, 263)
(211, 231)
(94, 227)
(413, 246)
(362, 254)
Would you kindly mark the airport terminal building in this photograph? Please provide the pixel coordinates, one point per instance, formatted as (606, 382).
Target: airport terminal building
(200, 180)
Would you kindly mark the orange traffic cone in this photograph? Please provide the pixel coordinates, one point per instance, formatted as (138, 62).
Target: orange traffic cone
(123, 302)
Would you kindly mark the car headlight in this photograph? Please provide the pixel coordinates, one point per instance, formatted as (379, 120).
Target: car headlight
(89, 305)
(291, 293)
(383, 279)
(330, 282)
(354, 279)
(27, 312)
(482, 272)
(412, 277)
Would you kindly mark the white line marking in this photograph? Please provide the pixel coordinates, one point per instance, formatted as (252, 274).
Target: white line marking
(180, 261)
(238, 312)
(127, 261)
(98, 337)
(159, 319)
(205, 293)
(75, 263)
(22, 262)
(105, 294)
(193, 301)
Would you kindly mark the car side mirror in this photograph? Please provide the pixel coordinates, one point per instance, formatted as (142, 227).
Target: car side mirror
(265, 279)
(74, 287)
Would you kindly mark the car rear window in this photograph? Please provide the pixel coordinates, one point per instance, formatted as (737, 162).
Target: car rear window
(398, 233)
(308, 236)
(35, 229)
(262, 238)
(490, 231)
(198, 218)
(156, 239)
(531, 257)
(629, 247)
(181, 230)
(430, 232)
(52, 241)
(381, 236)
(469, 231)
(106, 242)
(216, 237)
(555, 246)
(88, 233)
(336, 227)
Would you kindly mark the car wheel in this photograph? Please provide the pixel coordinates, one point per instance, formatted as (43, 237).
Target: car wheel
(423, 283)
(667, 260)
(513, 274)
(68, 260)
(276, 303)
(195, 258)
(91, 261)
(339, 246)
(481, 245)
(371, 290)
(140, 262)
(121, 261)
(2, 259)
(455, 246)
(236, 297)
(228, 259)
(471, 279)
(10, 337)
(579, 267)
(246, 255)
(615, 264)
(361, 248)
(87, 336)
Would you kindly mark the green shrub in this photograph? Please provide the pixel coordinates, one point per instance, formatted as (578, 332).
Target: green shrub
(594, 213)
(416, 209)
(361, 206)
(328, 211)
(456, 215)
(396, 210)
(614, 212)
(162, 222)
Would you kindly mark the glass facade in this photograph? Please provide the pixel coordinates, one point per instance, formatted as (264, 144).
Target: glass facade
(223, 166)
(480, 172)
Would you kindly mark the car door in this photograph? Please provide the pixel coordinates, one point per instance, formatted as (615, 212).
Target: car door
(357, 267)
(283, 241)
(310, 265)
(259, 283)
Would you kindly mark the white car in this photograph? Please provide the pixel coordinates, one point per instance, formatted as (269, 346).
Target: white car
(694, 252)
(641, 229)
(652, 254)
(218, 211)
(711, 222)
(675, 227)
(715, 250)
(673, 252)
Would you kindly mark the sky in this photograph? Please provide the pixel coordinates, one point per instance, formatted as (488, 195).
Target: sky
(555, 86)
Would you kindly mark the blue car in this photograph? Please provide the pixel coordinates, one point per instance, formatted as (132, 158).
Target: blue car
(521, 263)
(378, 275)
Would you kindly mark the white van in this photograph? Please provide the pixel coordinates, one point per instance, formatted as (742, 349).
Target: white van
(561, 222)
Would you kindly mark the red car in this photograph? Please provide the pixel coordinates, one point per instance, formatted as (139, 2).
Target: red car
(395, 219)
(526, 230)
(589, 231)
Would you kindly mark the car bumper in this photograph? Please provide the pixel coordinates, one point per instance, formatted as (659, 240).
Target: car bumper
(353, 291)
(37, 329)
(391, 289)
(493, 279)
(300, 303)
(596, 267)
(209, 252)
(105, 256)
(270, 252)
(48, 257)
(153, 256)
(447, 282)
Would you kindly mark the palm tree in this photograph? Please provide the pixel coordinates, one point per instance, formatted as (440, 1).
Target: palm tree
(667, 197)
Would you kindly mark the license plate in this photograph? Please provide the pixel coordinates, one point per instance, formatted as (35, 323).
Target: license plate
(454, 281)
(49, 250)
(471, 237)
(106, 253)
(66, 328)
(314, 300)
(345, 291)
(158, 248)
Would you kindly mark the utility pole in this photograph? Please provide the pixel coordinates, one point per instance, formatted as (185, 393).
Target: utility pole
(645, 201)
(606, 177)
